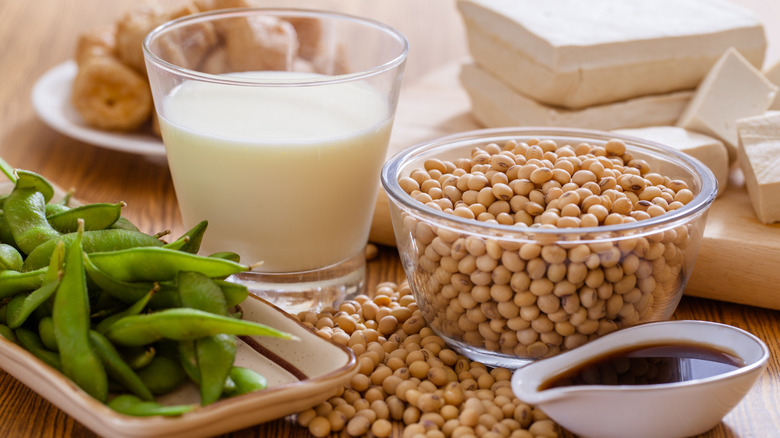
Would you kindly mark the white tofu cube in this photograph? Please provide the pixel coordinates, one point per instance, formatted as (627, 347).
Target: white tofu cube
(495, 104)
(732, 90)
(579, 53)
(759, 159)
(773, 74)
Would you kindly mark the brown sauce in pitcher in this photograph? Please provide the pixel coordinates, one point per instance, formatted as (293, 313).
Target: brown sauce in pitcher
(649, 365)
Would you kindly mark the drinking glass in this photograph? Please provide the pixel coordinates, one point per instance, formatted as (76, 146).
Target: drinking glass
(276, 125)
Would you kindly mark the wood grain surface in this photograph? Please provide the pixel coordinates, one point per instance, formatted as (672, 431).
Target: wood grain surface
(39, 35)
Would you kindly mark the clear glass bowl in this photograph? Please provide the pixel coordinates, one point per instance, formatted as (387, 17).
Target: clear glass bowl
(603, 278)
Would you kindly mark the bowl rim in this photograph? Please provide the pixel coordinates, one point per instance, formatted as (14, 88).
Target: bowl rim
(700, 202)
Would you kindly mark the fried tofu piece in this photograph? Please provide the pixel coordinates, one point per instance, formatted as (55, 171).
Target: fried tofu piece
(97, 42)
(110, 95)
(260, 43)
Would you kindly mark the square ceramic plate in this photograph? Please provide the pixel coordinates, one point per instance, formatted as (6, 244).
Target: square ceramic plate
(300, 374)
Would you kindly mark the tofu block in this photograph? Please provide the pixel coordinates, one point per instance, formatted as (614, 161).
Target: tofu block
(773, 74)
(575, 53)
(706, 149)
(495, 104)
(759, 159)
(732, 90)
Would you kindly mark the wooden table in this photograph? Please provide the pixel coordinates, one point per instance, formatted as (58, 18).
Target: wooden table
(39, 35)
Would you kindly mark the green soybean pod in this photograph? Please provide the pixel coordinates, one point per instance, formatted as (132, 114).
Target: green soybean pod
(227, 255)
(166, 294)
(160, 264)
(26, 179)
(71, 315)
(134, 309)
(235, 293)
(117, 368)
(46, 332)
(247, 380)
(5, 231)
(10, 258)
(14, 282)
(7, 333)
(32, 343)
(96, 216)
(19, 309)
(131, 405)
(92, 241)
(162, 375)
(183, 324)
(191, 240)
(25, 211)
(138, 357)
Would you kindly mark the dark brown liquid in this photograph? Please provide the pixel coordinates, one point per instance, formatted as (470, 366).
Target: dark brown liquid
(648, 365)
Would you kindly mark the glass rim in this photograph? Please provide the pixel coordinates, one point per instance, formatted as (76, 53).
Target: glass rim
(701, 201)
(394, 62)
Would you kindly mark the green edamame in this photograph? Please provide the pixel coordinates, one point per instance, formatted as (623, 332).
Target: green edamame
(138, 357)
(10, 258)
(215, 354)
(183, 324)
(166, 294)
(246, 380)
(46, 332)
(191, 240)
(22, 306)
(134, 309)
(160, 264)
(117, 368)
(92, 241)
(131, 405)
(162, 375)
(7, 333)
(25, 211)
(71, 317)
(14, 282)
(96, 217)
(31, 342)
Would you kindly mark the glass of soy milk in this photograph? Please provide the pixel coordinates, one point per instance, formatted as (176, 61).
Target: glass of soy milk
(276, 125)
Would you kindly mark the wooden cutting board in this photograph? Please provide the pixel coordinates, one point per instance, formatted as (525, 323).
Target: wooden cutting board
(739, 259)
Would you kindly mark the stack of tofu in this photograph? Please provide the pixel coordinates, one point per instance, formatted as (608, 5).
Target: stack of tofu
(679, 72)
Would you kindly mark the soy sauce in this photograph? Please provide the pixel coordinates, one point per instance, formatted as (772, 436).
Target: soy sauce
(649, 365)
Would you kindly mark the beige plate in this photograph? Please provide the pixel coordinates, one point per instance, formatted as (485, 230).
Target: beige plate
(300, 375)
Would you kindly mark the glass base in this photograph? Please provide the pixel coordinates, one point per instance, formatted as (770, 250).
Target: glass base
(487, 357)
(296, 292)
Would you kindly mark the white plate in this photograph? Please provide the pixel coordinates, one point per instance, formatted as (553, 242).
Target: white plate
(51, 100)
(326, 365)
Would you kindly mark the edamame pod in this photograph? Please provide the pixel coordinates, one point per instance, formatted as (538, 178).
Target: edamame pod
(71, 317)
(92, 241)
(246, 380)
(96, 217)
(10, 258)
(46, 332)
(7, 333)
(25, 211)
(14, 282)
(183, 324)
(124, 223)
(162, 375)
(131, 405)
(117, 368)
(21, 306)
(166, 295)
(26, 179)
(135, 309)
(191, 240)
(138, 357)
(31, 342)
(215, 354)
(160, 264)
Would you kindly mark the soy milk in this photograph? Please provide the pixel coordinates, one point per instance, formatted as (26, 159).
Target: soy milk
(266, 196)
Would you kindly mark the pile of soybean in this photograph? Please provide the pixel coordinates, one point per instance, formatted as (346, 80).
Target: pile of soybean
(121, 313)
